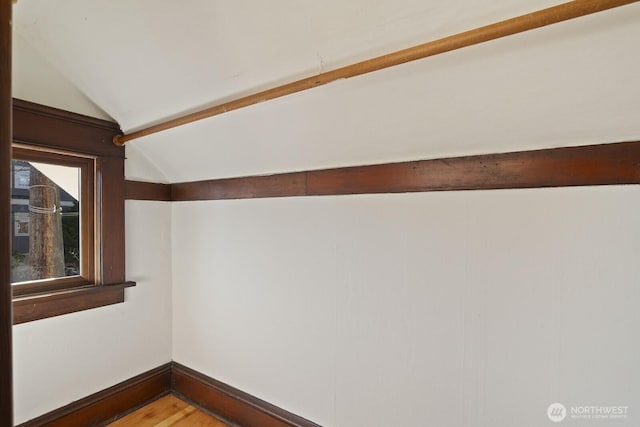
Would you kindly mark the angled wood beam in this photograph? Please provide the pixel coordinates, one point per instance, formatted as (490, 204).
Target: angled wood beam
(530, 21)
(6, 317)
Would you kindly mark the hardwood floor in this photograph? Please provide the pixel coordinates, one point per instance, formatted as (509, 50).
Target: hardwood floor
(168, 411)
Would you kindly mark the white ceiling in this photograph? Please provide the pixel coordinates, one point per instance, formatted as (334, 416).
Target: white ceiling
(140, 62)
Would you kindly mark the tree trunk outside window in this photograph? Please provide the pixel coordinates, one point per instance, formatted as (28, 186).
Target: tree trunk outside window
(46, 247)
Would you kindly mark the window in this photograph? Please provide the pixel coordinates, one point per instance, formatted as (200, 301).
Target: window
(57, 204)
(21, 175)
(20, 225)
(68, 213)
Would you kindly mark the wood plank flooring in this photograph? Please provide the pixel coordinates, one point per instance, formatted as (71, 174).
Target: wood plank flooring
(168, 411)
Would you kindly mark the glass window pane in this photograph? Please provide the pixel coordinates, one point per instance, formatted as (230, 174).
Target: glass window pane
(45, 205)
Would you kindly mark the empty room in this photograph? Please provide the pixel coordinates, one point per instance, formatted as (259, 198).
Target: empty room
(320, 213)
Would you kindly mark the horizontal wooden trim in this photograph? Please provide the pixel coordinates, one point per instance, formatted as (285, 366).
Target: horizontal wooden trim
(114, 402)
(229, 402)
(604, 164)
(560, 167)
(137, 190)
(46, 286)
(81, 119)
(530, 21)
(281, 185)
(39, 125)
(42, 306)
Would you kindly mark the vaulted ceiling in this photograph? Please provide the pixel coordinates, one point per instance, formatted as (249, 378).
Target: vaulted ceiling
(140, 62)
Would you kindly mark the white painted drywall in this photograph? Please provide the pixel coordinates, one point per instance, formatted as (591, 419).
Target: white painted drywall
(138, 167)
(439, 309)
(66, 358)
(35, 79)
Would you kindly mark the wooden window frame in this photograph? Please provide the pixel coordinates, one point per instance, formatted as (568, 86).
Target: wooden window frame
(88, 270)
(51, 135)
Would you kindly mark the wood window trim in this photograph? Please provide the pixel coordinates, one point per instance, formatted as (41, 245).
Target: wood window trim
(45, 128)
(87, 165)
(42, 306)
(6, 342)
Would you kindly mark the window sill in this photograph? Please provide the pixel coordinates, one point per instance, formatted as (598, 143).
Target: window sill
(41, 306)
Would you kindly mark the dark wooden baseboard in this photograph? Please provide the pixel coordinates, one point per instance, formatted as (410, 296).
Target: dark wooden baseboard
(603, 164)
(229, 402)
(107, 405)
(214, 396)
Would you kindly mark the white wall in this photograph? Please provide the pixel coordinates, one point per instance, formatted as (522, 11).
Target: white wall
(35, 79)
(66, 358)
(445, 309)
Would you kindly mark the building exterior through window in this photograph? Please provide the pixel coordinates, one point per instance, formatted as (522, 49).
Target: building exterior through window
(60, 194)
